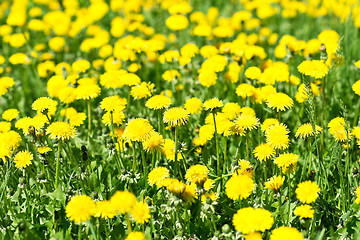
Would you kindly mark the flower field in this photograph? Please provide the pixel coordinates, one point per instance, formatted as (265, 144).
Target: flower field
(179, 119)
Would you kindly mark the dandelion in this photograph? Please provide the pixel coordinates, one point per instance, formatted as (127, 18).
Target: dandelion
(197, 174)
(263, 152)
(232, 110)
(109, 104)
(247, 122)
(123, 201)
(245, 90)
(248, 220)
(44, 105)
(239, 187)
(87, 91)
(313, 68)
(10, 114)
(43, 149)
(140, 212)
(61, 131)
(268, 123)
(306, 130)
(176, 187)
(177, 22)
(23, 159)
(356, 87)
(138, 130)
(154, 143)
(193, 105)
(104, 209)
(189, 193)
(212, 104)
(158, 175)
(176, 116)
(287, 161)
(307, 191)
(135, 236)
(304, 211)
(80, 208)
(275, 183)
(279, 102)
(158, 102)
(286, 233)
(141, 91)
(357, 192)
(277, 136)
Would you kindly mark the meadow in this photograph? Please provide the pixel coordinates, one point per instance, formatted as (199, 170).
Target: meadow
(179, 119)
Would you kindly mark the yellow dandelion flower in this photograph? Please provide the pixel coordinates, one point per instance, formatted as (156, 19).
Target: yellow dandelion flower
(275, 183)
(248, 220)
(135, 236)
(138, 130)
(176, 116)
(23, 159)
(115, 117)
(142, 90)
(140, 212)
(197, 174)
(239, 187)
(189, 194)
(245, 90)
(279, 102)
(284, 233)
(158, 175)
(158, 102)
(10, 114)
(177, 22)
(44, 105)
(176, 187)
(268, 123)
(307, 191)
(123, 201)
(61, 131)
(356, 87)
(231, 110)
(304, 211)
(87, 91)
(212, 104)
(247, 122)
(313, 68)
(277, 136)
(264, 152)
(80, 208)
(104, 209)
(357, 192)
(43, 149)
(306, 130)
(193, 105)
(109, 104)
(286, 161)
(154, 143)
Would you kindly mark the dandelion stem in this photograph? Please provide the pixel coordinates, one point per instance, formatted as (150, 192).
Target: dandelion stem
(143, 161)
(310, 157)
(128, 222)
(57, 164)
(134, 155)
(114, 140)
(92, 230)
(217, 146)
(89, 120)
(79, 231)
(289, 192)
(176, 144)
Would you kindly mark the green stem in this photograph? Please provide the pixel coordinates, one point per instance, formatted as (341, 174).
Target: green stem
(57, 164)
(79, 231)
(92, 230)
(89, 120)
(128, 222)
(143, 161)
(217, 146)
(134, 156)
(289, 192)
